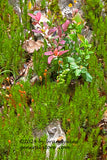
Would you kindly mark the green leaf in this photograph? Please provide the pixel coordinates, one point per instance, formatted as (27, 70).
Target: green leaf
(65, 71)
(89, 45)
(78, 18)
(72, 36)
(90, 52)
(81, 45)
(70, 26)
(77, 72)
(74, 65)
(70, 59)
(86, 42)
(78, 59)
(5, 71)
(81, 37)
(66, 65)
(87, 57)
(83, 70)
(88, 77)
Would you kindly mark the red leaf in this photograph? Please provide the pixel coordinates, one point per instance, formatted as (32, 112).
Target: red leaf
(62, 42)
(60, 47)
(50, 58)
(38, 16)
(31, 15)
(37, 31)
(59, 31)
(65, 25)
(62, 52)
(48, 53)
(54, 41)
(52, 30)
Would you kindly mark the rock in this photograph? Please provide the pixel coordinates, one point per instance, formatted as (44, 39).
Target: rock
(104, 11)
(34, 79)
(38, 133)
(87, 33)
(55, 134)
(17, 8)
(103, 123)
(24, 73)
(69, 11)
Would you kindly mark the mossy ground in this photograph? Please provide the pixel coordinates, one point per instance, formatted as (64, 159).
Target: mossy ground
(26, 106)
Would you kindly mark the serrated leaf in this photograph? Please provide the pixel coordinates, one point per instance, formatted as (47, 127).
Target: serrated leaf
(77, 72)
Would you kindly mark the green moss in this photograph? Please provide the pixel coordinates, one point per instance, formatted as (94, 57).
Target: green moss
(79, 116)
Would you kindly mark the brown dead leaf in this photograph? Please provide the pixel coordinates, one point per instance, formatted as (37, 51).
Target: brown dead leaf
(30, 45)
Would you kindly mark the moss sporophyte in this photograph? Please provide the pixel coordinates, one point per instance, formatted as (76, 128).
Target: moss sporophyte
(45, 70)
(18, 114)
(60, 62)
(44, 74)
(9, 141)
(32, 100)
(40, 78)
(20, 104)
